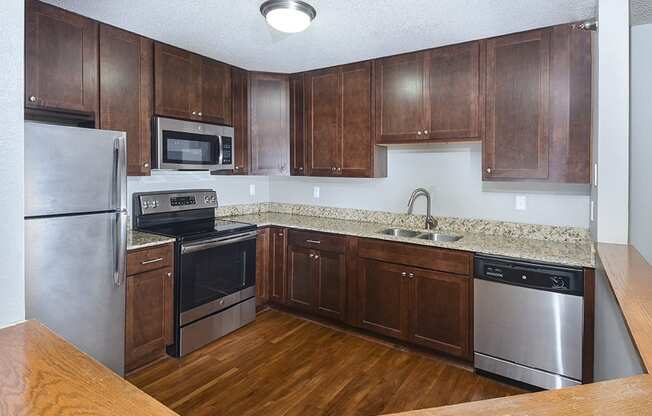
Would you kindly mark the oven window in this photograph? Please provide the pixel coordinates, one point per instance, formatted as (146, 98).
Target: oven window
(189, 148)
(216, 272)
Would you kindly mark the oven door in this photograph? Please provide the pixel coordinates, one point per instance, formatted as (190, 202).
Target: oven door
(216, 274)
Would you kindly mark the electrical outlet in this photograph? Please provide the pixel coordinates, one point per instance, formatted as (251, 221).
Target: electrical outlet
(315, 192)
(252, 189)
(520, 203)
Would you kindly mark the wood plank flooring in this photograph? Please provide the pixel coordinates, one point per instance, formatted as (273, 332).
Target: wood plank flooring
(286, 365)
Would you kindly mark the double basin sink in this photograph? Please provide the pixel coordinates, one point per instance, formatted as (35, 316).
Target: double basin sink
(402, 232)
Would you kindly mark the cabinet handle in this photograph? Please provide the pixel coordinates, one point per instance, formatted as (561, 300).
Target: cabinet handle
(313, 241)
(237, 168)
(301, 168)
(146, 165)
(311, 255)
(403, 274)
(316, 256)
(280, 234)
(170, 274)
(419, 133)
(488, 170)
(339, 170)
(425, 132)
(194, 113)
(411, 275)
(33, 99)
(200, 114)
(144, 262)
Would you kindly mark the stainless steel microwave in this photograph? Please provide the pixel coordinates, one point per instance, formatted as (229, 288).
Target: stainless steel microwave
(190, 145)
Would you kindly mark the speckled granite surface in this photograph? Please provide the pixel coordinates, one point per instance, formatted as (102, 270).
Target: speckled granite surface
(577, 252)
(137, 239)
(458, 225)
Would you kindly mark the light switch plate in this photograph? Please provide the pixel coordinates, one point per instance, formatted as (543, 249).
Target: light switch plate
(520, 202)
(315, 192)
(252, 189)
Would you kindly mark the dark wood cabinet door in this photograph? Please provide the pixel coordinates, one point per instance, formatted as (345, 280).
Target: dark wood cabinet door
(400, 98)
(300, 277)
(517, 136)
(297, 130)
(277, 264)
(262, 266)
(61, 59)
(177, 75)
(323, 120)
(355, 143)
(240, 117)
(383, 298)
(330, 282)
(215, 92)
(269, 124)
(168, 307)
(145, 331)
(126, 92)
(455, 96)
(440, 311)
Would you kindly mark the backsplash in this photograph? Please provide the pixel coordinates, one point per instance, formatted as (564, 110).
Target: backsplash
(451, 224)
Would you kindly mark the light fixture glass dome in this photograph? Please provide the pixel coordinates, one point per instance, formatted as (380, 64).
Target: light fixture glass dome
(288, 16)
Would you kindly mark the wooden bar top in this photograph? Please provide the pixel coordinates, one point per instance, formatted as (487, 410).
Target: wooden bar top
(41, 374)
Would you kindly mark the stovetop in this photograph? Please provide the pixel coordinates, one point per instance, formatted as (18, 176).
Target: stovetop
(199, 229)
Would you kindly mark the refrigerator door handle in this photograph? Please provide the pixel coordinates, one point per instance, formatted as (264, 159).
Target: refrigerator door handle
(120, 178)
(120, 245)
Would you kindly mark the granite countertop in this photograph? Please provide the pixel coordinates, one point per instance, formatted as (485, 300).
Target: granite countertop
(579, 254)
(139, 239)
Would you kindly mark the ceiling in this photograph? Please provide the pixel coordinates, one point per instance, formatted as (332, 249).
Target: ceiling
(344, 31)
(641, 12)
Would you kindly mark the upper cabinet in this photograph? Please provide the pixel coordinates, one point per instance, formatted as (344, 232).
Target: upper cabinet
(538, 112)
(339, 123)
(518, 71)
(126, 92)
(240, 116)
(297, 126)
(61, 60)
(191, 86)
(430, 95)
(269, 124)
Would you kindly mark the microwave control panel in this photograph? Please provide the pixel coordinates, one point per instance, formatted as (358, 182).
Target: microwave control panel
(227, 150)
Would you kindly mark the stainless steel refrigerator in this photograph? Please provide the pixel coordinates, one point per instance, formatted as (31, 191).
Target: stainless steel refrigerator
(75, 236)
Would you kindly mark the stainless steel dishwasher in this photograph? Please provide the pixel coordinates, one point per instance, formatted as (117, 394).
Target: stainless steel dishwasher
(528, 321)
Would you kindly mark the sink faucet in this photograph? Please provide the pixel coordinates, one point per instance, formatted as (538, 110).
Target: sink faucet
(430, 221)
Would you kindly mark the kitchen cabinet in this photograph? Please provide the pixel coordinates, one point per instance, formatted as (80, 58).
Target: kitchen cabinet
(277, 264)
(149, 321)
(269, 124)
(518, 70)
(190, 86)
(538, 118)
(339, 118)
(417, 294)
(317, 273)
(297, 126)
(262, 266)
(61, 60)
(240, 115)
(126, 92)
(431, 95)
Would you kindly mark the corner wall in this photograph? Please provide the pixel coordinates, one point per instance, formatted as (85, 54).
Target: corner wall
(12, 273)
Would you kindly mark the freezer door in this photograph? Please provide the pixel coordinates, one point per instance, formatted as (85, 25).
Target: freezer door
(73, 170)
(71, 283)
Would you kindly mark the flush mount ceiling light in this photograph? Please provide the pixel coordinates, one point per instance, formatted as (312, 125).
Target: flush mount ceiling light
(289, 16)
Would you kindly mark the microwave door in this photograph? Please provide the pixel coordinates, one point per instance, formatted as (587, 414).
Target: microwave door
(182, 150)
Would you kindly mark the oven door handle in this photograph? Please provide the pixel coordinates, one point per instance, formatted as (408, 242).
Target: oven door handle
(218, 242)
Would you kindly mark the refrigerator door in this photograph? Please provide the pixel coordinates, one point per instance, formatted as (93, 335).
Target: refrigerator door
(72, 170)
(73, 283)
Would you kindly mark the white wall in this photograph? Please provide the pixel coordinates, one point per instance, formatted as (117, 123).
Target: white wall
(230, 189)
(640, 190)
(613, 121)
(12, 278)
(452, 173)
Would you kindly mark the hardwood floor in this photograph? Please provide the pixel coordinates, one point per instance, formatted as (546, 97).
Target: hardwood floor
(286, 365)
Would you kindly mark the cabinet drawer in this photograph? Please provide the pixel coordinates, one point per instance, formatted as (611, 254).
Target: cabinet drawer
(150, 258)
(451, 261)
(317, 241)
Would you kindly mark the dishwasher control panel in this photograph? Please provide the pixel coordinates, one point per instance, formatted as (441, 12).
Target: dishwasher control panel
(538, 276)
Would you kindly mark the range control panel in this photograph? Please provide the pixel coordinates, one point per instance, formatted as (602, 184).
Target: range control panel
(156, 203)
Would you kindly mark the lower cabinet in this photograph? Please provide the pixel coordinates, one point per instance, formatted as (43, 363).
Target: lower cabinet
(277, 264)
(317, 273)
(262, 266)
(149, 321)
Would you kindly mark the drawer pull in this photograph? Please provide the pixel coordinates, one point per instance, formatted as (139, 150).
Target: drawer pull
(144, 262)
(313, 241)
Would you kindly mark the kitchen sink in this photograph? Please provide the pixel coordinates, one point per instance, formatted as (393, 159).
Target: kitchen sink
(399, 232)
(440, 237)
